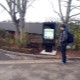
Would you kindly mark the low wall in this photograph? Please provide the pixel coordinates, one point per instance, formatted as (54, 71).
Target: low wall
(29, 27)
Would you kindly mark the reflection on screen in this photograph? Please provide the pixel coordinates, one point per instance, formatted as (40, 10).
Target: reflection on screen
(49, 33)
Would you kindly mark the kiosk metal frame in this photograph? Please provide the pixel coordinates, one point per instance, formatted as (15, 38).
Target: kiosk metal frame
(48, 36)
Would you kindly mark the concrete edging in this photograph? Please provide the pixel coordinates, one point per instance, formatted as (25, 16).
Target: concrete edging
(29, 55)
(37, 56)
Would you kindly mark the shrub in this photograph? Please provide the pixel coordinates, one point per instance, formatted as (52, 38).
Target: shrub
(9, 38)
(2, 33)
(26, 41)
(75, 29)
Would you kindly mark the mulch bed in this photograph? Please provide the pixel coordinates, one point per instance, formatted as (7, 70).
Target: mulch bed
(35, 49)
(22, 50)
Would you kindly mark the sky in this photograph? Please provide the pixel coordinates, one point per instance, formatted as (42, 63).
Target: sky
(40, 11)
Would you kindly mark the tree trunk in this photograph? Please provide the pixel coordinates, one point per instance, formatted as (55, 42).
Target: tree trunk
(20, 34)
(68, 11)
(17, 35)
(22, 31)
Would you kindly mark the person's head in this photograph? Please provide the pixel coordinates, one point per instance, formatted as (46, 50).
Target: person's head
(63, 26)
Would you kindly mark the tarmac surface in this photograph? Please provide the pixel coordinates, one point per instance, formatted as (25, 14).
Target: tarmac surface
(3, 56)
(39, 70)
(16, 67)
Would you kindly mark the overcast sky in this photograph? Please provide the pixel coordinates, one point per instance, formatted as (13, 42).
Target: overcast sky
(40, 11)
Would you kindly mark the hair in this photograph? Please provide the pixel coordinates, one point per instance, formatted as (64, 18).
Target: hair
(63, 26)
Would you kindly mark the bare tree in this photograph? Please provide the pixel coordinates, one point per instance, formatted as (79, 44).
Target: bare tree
(69, 8)
(18, 7)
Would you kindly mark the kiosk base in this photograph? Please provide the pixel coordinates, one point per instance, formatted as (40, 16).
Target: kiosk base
(48, 48)
(48, 53)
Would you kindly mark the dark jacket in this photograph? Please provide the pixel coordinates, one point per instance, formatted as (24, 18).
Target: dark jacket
(63, 37)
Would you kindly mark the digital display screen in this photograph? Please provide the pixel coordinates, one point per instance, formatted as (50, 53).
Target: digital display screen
(48, 33)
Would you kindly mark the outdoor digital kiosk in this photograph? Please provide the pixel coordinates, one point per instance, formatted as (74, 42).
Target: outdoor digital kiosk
(48, 36)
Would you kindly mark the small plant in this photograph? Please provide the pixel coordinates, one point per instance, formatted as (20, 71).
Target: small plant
(9, 38)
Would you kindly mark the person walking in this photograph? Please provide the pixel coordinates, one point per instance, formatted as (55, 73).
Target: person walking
(63, 42)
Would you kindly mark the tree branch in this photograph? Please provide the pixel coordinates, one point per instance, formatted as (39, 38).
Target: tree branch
(74, 15)
(75, 7)
(60, 9)
(51, 4)
(24, 3)
(31, 3)
(54, 9)
(57, 13)
(4, 8)
(18, 5)
(68, 11)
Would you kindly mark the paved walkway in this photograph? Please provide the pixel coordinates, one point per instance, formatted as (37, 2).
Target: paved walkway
(39, 71)
(20, 67)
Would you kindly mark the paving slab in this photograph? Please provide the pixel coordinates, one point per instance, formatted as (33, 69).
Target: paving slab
(40, 71)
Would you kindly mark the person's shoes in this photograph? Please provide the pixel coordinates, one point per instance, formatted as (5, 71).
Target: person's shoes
(63, 62)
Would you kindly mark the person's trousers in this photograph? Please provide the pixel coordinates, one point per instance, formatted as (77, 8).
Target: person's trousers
(63, 53)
